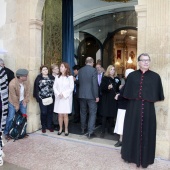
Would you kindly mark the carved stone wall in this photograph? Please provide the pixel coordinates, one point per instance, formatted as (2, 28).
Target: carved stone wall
(154, 38)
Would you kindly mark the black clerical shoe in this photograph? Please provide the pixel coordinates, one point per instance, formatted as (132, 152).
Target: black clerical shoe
(90, 136)
(118, 144)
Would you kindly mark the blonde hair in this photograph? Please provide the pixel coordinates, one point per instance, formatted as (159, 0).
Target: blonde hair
(54, 65)
(107, 73)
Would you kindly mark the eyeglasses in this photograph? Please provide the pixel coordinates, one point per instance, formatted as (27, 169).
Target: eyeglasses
(145, 61)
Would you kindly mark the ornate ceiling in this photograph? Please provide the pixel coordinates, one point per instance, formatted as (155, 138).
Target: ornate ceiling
(99, 18)
(86, 9)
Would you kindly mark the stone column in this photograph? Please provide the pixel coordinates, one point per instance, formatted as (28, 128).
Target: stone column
(35, 27)
(142, 14)
(154, 38)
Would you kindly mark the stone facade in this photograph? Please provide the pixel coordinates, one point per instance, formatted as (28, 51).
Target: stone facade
(154, 38)
(20, 35)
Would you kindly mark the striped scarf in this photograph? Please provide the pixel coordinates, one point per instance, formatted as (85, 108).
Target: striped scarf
(4, 98)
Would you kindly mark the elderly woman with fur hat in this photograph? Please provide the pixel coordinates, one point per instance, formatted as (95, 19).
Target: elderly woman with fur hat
(122, 104)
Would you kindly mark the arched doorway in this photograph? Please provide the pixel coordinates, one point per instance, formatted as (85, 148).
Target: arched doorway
(89, 46)
(114, 22)
(120, 49)
(103, 28)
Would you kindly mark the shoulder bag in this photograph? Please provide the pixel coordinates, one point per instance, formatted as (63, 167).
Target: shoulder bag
(47, 101)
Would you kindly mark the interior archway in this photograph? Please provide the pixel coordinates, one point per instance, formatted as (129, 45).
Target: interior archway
(89, 46)
(120, 49)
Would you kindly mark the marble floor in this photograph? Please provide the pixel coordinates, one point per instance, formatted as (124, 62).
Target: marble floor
(74, 152)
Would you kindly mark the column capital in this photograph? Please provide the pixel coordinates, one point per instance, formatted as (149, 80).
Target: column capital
(141, 10)
(35, 24)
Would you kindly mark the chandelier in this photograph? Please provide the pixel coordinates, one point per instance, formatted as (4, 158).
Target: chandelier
(116, 0)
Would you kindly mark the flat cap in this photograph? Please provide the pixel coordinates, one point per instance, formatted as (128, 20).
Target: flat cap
(21, 72)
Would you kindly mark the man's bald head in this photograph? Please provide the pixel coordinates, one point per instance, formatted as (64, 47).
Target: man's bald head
(89, 61)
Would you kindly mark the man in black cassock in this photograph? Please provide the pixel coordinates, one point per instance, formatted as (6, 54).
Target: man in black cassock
(143, 88)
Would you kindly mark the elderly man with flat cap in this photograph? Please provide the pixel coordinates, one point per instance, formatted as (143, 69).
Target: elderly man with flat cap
(18, 97)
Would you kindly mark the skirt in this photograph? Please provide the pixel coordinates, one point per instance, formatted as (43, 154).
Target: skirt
(120, 121)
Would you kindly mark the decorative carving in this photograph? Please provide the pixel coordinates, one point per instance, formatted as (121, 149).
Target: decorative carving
(52, 32)
(34, 23)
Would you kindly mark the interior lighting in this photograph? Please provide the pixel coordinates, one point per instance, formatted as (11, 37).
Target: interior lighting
(123, 32)
(132, 37)
(130, 60)
(117, 63)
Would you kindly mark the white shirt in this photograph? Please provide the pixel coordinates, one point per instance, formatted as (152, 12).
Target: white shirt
(21, 92)
(99, 78)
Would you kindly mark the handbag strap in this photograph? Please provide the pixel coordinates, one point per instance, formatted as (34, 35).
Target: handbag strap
(44, 98)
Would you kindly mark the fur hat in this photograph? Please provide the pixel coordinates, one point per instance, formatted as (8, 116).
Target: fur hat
(21, 72)
(128, 71)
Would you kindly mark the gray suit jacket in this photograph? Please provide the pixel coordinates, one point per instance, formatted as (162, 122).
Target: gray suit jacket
(88, 83)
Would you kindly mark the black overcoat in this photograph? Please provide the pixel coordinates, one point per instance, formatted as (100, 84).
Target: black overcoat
(109, 105)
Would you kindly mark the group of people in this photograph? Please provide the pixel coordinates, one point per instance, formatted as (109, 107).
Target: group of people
(96, 95)
(60, 87)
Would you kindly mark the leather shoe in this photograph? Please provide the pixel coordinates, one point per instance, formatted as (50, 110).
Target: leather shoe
(43, 130)
(90, 136)
(118, 144)
(66, 134)
(59, 133)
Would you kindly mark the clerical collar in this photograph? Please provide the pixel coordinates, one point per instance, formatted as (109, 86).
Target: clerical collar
(143, 72)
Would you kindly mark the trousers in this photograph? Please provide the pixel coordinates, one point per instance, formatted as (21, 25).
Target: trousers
(88, 106)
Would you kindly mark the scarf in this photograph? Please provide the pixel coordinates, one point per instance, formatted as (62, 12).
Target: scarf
(4, 98)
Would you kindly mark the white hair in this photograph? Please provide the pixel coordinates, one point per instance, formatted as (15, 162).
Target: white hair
(128, 71)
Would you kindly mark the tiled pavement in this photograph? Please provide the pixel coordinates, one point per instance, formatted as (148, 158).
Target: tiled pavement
(75, 152)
